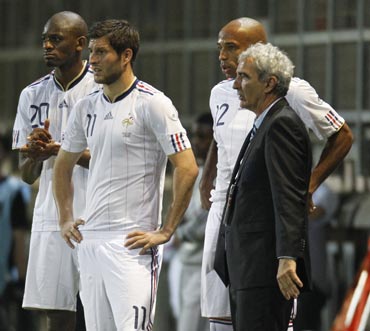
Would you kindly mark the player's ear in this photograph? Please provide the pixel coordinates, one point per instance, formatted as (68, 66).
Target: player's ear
(126, 56)
(81, 43)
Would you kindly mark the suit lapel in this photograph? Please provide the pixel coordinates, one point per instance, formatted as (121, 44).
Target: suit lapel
(259, 133)
(237, 165)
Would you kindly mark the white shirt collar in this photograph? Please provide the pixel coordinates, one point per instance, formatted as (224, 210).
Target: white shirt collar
(258, 121)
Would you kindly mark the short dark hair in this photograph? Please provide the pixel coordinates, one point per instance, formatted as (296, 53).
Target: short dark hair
(120, 33)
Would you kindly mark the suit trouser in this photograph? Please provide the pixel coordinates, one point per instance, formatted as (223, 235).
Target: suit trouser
(260, 309)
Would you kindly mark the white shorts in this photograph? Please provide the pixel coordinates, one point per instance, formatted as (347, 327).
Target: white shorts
(118, 286)
(52, 279)
(214, 295)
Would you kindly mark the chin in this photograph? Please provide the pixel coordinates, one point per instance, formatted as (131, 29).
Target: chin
(242, 104)
(51, 64)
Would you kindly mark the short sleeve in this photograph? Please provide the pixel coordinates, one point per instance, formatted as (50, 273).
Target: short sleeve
(316, 114)
(22, 125)
(74, 139)
(164, 121)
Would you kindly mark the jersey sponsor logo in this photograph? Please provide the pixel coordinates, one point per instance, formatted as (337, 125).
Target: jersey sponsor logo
(63, 104)
(109, 116)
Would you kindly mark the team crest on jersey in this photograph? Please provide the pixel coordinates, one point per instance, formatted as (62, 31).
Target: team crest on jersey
(128, 121)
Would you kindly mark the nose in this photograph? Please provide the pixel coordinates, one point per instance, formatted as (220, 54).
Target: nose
(92, 58)
(222, 55)
(236, 84)
(46, 44)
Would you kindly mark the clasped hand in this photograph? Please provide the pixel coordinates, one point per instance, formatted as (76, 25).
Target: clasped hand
(40, 144)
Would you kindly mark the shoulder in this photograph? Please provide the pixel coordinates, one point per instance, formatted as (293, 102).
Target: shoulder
(225, 86)
(286, 116)
(90, 98)
(38, 84)
(150, 96)
(145, 89)
(301, 92)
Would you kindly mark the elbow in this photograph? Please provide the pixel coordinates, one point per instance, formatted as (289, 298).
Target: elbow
(27, 176)
(346, 137)
(350, 137)
(194, 172)
(28, 179)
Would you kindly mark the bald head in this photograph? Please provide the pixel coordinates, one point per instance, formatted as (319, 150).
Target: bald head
(234, 38)
(64, 39)
(69, 21)
(248, 29)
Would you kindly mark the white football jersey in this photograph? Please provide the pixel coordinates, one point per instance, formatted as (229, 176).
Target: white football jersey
(129, 141)
(44, 99)
(232, 123)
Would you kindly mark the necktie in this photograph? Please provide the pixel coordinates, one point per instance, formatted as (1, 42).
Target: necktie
(253, 132)
(234, 178)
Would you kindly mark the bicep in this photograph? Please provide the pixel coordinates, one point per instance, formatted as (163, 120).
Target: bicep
(184, 159)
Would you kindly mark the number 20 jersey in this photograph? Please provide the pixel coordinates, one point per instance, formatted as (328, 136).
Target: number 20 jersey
(44, 99)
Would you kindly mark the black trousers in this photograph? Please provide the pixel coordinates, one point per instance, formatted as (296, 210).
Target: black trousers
(260, 309)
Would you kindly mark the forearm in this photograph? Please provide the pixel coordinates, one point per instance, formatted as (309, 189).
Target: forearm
(184, 176)
(335, 150)
(208, 176)
(30, 169)
(84, 160)
(63, 186)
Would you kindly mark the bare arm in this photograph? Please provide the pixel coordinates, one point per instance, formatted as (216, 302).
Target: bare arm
(208, 176)
(30, 169)
(184, 175)
(84, 160)
(336, 148)
(39, 148)
(63, 194)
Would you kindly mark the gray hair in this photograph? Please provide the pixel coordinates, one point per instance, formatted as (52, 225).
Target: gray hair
(270, 61)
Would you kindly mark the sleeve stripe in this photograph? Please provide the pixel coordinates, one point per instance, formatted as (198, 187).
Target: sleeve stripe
(178, 142)
(333, 120)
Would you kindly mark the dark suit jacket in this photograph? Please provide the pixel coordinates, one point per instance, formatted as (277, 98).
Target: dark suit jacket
(270, 204)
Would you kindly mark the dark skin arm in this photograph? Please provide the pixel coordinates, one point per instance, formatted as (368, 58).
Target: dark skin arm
(208, 176)
(40, 147)
(335, 150)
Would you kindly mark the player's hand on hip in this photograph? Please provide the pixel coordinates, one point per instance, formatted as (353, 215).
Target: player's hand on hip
(70, 232)
(146, 240)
